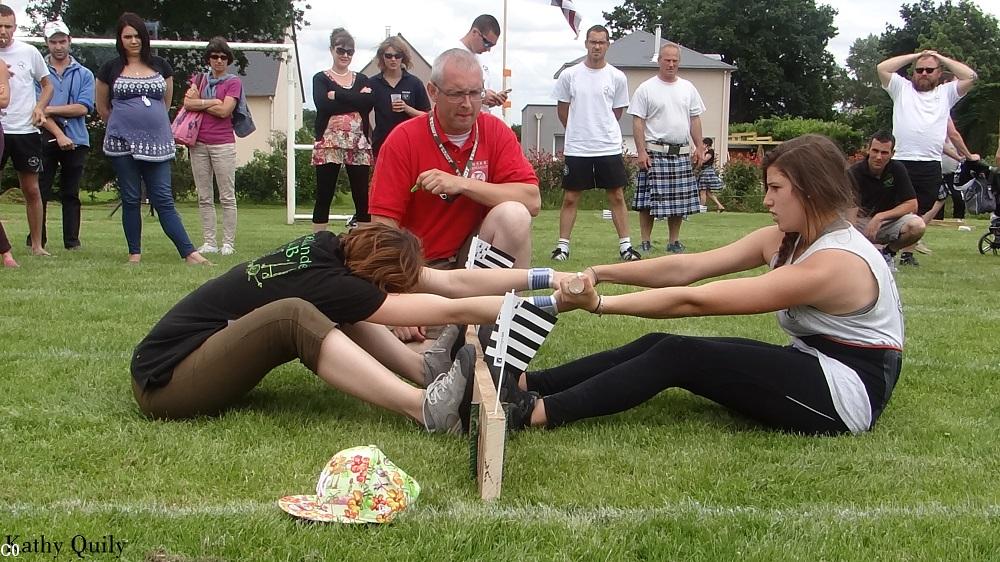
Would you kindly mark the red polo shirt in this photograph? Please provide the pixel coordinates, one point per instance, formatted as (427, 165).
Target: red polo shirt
(410, 150)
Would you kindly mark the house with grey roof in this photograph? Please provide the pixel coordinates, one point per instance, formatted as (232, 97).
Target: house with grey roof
(267, 100)
(635, 55)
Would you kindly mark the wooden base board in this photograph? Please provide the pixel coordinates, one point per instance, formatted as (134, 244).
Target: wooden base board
(492, 428)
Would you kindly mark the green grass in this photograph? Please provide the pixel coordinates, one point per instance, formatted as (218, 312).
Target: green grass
(677, 478)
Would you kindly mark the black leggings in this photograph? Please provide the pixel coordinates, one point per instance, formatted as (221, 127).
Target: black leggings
(778, 386)
(326, 186)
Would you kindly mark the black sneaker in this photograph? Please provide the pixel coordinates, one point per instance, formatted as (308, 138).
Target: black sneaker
(518, 410)
(907, 258)
(559, 254)
(630, 254)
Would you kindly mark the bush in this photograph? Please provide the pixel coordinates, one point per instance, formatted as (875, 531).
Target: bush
(742, 186)
(787, 128)
(262, 179)
(549, 169)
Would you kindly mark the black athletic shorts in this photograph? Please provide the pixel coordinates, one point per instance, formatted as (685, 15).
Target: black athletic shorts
(588, 172)
(25, 150)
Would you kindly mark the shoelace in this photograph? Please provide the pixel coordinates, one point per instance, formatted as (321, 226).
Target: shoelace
(436, 391)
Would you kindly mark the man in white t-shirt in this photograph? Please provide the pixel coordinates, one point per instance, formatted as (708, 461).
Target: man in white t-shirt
(920, 111)
(592, 96)
(666, 121)
(481, 37)
(22, 141)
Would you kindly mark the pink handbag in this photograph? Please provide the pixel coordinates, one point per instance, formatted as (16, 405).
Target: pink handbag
(187, 123)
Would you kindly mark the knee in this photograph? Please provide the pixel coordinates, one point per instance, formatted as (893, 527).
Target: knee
(915, 227)
(570, 199)
(616, 196)
(510, 216)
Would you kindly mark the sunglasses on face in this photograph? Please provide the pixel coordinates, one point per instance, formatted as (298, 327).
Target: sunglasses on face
(343, 51)
(487, 44)
(398, 56)
(925, 70)
(218, 57)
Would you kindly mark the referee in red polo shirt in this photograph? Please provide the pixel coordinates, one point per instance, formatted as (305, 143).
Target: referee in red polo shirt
(456, 172)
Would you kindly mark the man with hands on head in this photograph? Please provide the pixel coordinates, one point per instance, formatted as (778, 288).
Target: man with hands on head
(454, 173)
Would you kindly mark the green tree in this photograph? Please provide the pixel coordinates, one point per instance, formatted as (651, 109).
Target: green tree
(778, 47)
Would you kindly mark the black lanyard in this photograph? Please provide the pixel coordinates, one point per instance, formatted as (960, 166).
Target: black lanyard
(444, 151)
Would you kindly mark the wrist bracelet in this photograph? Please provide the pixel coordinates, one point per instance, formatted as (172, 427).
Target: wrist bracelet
(540, 278)
(545, 302)
(594, 272)
(599, 309)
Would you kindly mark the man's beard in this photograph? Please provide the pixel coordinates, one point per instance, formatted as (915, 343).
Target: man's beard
(923, 85)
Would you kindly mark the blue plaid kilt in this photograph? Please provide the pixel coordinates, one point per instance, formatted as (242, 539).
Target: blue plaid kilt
(709, 180)
(668, 188)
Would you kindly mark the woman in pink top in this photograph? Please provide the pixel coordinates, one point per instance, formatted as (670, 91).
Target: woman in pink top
(215, 94)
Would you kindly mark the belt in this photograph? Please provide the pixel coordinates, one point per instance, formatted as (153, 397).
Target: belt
(667, 148)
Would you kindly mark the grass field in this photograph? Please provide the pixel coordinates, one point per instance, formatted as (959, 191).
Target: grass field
(678, 478)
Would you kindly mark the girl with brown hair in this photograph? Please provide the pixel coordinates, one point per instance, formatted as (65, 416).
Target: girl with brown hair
(319, 299)
(831, 289)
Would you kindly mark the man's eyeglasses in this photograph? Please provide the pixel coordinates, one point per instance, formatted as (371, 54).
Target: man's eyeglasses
(398, 56)
(343, 51)
(217, 56)
(925, 70)
(459, 97)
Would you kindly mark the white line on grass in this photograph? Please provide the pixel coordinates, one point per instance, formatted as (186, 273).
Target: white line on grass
(464, 511)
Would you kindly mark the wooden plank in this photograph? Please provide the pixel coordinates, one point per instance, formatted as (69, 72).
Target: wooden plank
(492, 428)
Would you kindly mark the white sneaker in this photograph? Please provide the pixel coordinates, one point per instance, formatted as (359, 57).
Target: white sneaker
(207, 248)
(227, 250)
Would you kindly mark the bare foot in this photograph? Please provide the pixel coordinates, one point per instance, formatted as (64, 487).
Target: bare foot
(134, 258)
(194, 258)
(39, 251)
(9, 261)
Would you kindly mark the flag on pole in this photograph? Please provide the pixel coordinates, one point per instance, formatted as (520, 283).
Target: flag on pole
(569, 10)
(482, 255)
(524, 333)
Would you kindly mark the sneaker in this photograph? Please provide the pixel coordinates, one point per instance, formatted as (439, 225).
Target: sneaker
(207, 248)
(907, 258)
(630, 254)
(702, 208)
(518, 410)
(559, 254)
(227, 250)
(437, 358)
(444, 396)
(890, 259)
(646, 246)
(351, 223)
(675, 247)
(922, 248)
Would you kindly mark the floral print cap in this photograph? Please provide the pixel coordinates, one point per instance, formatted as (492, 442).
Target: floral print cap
(358, 485)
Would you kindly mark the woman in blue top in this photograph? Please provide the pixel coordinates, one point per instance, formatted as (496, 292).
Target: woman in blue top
(133, 93)
(399, 95)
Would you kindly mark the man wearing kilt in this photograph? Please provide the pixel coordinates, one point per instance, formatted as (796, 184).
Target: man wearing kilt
(666, 111)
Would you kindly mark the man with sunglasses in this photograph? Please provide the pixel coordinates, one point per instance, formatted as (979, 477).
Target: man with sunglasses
(920, 112)
(456, 172)
(481, 37)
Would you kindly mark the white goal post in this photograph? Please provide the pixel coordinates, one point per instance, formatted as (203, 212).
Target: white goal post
(291, 83)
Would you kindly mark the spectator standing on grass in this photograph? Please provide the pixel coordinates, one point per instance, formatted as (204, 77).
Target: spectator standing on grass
(666, 122)
(709, 182)
(5, 253)
(215, 94)
(399, 95)
(343, 100)
(66, 141)
(25, 112)
(481, 37)
(920, 114)
(592, 96)
(133, 98)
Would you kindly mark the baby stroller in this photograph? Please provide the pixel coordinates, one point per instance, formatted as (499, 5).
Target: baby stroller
(980, 187)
